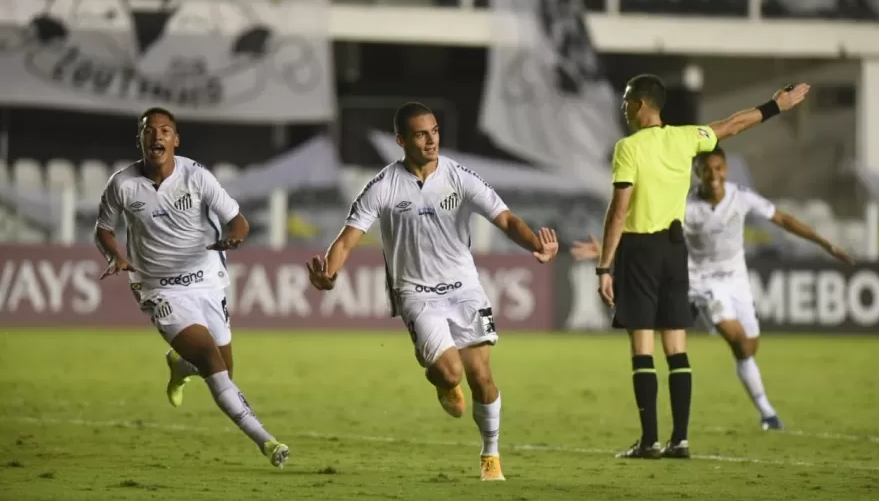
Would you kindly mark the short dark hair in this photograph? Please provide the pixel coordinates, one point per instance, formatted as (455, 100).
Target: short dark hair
(155, 110)
(407, 112)
(648, 87)
(701, 158)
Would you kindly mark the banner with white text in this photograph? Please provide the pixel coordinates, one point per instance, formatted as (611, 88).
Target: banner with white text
(59, 287)
(811, 296)
(545, 97)
(242, 61)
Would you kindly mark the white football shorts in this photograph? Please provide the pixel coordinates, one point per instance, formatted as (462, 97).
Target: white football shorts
(727, 298)
(171, 311)
(436, 324)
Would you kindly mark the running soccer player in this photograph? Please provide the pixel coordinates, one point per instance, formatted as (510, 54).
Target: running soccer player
(175, 256)
(714, 227)
(644, 241)
(423, 204)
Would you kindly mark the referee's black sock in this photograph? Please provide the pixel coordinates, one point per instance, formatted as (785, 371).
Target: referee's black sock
(680, 387)
(646, 387)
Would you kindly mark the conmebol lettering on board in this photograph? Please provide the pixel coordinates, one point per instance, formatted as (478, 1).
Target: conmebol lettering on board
(819, 297)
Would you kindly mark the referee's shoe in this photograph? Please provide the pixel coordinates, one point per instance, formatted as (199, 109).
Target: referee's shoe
(644, 242)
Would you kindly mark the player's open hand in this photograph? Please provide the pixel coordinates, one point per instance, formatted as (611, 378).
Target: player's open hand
(549, 245)
(317, 273)
(840, 254)
(605, 289)
(791, 95)
(226, 244)
(116, 266)
(584, 251)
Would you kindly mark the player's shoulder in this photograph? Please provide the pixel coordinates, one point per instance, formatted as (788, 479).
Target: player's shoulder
(122, 176)
(189, 164)
(738, 190)
(695, 201)
(190, 168)
(457, 170)
(377, 183)
(383, 176)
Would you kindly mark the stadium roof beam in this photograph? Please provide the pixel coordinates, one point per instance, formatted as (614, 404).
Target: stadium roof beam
(619, 33)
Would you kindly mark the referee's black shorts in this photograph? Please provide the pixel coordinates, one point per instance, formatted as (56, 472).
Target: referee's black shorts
(651, 281)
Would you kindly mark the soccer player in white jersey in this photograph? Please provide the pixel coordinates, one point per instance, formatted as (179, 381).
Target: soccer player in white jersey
(423, 204)
(173, 210)
(714, 229)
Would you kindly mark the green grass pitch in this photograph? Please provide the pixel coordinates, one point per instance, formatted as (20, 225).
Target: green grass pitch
(83, 416)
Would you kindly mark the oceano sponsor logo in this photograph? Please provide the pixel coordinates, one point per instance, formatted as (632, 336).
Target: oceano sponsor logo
(441, 288)
(184, 279)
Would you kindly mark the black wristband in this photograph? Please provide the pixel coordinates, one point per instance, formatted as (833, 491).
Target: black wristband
(769, 109)
(602, 271)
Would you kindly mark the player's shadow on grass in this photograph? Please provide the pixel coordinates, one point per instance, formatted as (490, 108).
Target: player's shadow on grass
(328, 471)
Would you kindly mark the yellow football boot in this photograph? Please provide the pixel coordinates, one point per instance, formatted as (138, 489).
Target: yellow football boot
(490, 468)
(452, 401)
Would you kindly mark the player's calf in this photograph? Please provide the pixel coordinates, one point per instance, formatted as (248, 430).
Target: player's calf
(445, 374)
(195, 344)
(486, 408)
(744, 348)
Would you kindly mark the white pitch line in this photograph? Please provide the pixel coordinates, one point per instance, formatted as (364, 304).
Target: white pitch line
(394, 440)
(806, 434)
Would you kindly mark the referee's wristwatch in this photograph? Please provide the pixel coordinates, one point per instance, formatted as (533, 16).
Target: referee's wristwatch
(602, 271)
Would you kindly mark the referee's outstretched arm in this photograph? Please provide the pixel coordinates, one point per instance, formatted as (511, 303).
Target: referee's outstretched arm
(644, 242)
(783, 100)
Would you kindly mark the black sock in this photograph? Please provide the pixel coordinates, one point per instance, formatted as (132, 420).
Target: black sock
(680, 387)
(646, 387)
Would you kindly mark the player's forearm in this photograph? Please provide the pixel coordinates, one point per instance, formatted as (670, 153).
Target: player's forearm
(105, 240)
(798, 228)
(337, 255)
(519, 232)
(238, 228)
(613, 231)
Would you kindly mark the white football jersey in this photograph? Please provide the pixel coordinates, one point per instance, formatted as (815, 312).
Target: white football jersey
(169, 227)
(716, 235)
(426, 227)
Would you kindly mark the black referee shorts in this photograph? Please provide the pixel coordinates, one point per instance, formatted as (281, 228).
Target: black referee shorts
(651, 281)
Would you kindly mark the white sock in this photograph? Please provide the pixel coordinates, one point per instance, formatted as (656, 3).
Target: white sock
(488, 420)
(749, 374)
(230, 399)
(184, 368)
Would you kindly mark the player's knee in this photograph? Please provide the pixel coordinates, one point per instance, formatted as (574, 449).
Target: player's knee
(448, 370)
(746, 348)
(196, 346)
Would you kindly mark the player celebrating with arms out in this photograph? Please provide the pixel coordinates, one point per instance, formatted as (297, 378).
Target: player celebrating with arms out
(714, 228)
(173, 207)
(423, 204)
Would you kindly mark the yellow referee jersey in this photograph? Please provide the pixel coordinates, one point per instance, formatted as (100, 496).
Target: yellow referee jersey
(657, 161)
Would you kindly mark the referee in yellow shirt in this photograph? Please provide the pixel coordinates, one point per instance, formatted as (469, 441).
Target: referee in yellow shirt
(644, 241)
